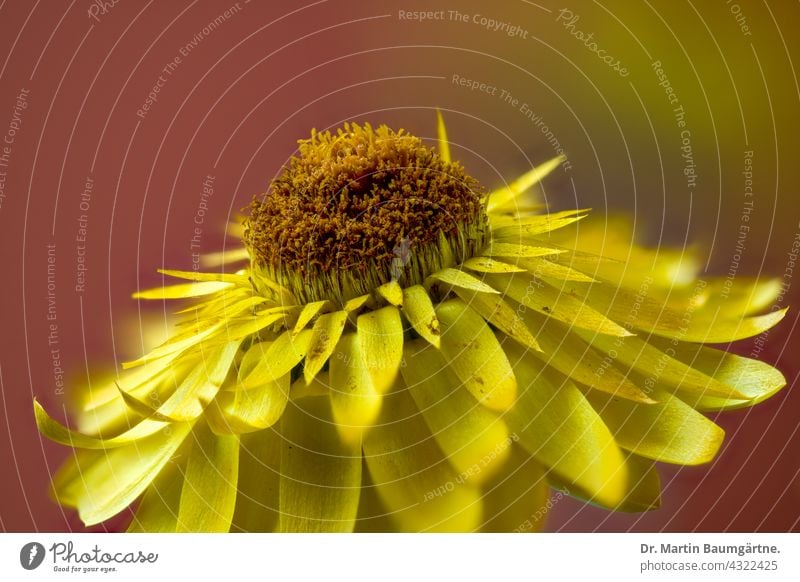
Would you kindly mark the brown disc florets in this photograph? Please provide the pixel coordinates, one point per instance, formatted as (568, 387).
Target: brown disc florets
(359, 208)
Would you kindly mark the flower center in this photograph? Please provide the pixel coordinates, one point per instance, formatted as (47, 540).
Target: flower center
(359, 208)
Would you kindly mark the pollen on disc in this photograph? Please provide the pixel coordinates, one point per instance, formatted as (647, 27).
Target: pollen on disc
(354, 208)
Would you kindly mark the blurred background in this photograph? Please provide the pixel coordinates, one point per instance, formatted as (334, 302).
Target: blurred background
(682, 115)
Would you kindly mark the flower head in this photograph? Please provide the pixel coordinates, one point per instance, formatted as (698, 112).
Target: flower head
(404, 351)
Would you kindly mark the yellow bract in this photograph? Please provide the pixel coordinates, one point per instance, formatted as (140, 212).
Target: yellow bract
(559, 354)
(475, 355)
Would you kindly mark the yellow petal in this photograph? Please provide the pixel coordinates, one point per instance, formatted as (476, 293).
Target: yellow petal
(669, 431)
(631, 265)
(558, 426)
(418, 488)
(505, 198)
(462, 280)
(57, 432)
(419, 312)
(183, 290)
(324, 336)
(274, 360)
(578, 360)
(516, 499)
(593, 266)
(643, 487)
(310, 310)
(554, 303)
(355, 303)
(656, 317)
(475, 355)
(256, 408)
(487, 265)
(372, 516)
(226, 257)
(204, 307)
(140, 406)
(109, 418)
(101, 390)
(320, 386)
(320, 474)
(233, 308)
(473, 438)
(241, 279)
(355, 402)
(656, 366)
(380, 334)
(259, 477)
(745, 296)
(145, 388)
(102, 483)
(501, 315)
(441, 131)
(241, 327)
(755, 380)
(539, 267)
(232, 304)
(234, 228)
(525, 227)
(200, 386)
(209, 489)
(157, 512)
(251, 358)
(392, 293)
(503, 249)
(175, 346)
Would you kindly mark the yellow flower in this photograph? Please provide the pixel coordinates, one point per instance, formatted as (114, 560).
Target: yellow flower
(405, 352)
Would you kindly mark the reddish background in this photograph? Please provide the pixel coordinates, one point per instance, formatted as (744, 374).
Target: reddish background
(239, 100)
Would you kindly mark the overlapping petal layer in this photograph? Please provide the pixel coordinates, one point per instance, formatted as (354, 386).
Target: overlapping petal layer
(560, 354)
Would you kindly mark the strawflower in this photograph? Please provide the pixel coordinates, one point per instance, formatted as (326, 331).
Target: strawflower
(404, 351)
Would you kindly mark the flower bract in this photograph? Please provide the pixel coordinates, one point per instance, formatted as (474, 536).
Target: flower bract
(395, 348)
